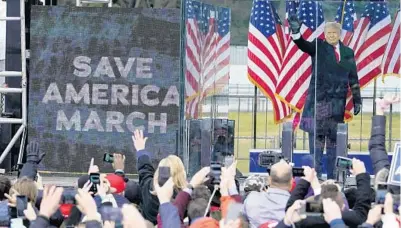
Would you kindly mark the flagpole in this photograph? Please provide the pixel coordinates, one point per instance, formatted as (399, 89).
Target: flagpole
(181, 131)
(343, 12)
(255, 108)
(374, 96)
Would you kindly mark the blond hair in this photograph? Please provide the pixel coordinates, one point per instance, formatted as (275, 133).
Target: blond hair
(26, 187)
(334, 25)
(177, 171)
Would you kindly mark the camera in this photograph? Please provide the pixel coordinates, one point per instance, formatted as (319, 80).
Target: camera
(268, 158)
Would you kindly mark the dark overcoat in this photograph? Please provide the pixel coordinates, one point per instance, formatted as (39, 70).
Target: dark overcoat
(327, 93)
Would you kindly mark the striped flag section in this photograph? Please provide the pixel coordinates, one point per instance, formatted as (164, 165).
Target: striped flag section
(207, 53)
(369, 43)
(346, 16)
(214, 83)
(391, 58)
(290, 9)
(265, 53)
(296, 69)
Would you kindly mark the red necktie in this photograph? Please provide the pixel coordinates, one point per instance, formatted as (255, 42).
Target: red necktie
(336, 54)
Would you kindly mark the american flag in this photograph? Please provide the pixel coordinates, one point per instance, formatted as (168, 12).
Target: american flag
(297, 66)
(391, 58)
(265, 53)
(346, 16)
(291, 7)
(215, 82)
(207, 53)
(369, 43)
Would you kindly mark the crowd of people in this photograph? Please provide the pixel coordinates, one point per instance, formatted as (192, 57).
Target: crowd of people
(205, 200)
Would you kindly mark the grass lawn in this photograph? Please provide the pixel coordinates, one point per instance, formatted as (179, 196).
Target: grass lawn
(268, 133)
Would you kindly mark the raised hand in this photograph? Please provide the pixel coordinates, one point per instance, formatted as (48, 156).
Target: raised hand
(294, 24)
(331, 210)
(92, 167)
(139, 140)
(358, 167)
(384, 103)
(200, 177)
(165, 192)
(51, 200)
(118, 162)
(309, 174)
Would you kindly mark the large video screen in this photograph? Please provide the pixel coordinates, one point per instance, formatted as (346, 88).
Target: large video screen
(98, 74)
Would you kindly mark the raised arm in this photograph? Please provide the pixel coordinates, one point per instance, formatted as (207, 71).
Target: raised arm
(377, 142)
(305, 46)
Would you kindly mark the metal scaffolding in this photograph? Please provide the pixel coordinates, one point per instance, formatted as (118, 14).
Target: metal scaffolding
(21, 132)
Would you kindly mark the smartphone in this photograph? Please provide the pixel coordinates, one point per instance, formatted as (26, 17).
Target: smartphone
(313, 208)
(94, 178)
(343, 163)
(297, 172)
(164, 175)
(107, 157)
(68, 196)
(215, 171)
(381, 191)
(22, 202)
(234, 211)
(109, 213)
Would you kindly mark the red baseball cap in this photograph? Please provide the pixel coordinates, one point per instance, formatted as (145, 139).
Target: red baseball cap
(116, 182)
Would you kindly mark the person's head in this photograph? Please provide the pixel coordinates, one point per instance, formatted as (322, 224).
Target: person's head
(201, 191)
(197, 208)
(26, 187)
(133, 192)
(280, 176)
(117, 183)
(381, 177)
(331, 191)
(332, 32)
(177, 171)
(5, 185)
(255, 183)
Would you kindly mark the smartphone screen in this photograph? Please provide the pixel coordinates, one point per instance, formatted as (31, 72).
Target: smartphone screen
(107, 157)
(297, 172)
(313, 208)
(22, 202)
(381, 193)
(164, 175)
(94, 178)
(343, 162)
(215, 170)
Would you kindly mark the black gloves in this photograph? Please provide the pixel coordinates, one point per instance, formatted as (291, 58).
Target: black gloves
(33, 153)
(357, 109)
(294, 24)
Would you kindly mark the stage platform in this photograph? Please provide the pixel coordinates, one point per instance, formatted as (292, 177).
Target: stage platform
(297, 157)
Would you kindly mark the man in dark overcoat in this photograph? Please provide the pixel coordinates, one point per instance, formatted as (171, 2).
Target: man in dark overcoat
(333, 72)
